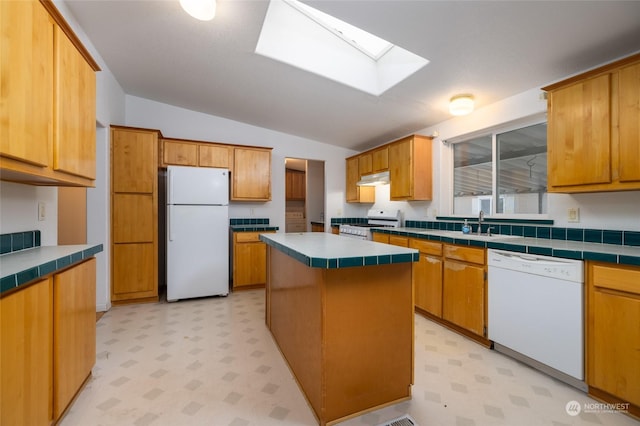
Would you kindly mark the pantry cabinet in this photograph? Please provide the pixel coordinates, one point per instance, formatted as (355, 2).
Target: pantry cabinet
(593, 130)
(464, 288)
(48, 136)
(353, 192)
(25, 355)
(427, 276)
(249, 260)
(134, 214)
(410, 168)
(251, 175)
(613, 332)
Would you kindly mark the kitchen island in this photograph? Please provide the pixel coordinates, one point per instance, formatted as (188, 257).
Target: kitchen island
(341, 312)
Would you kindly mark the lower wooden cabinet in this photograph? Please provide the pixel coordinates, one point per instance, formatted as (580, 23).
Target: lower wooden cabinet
(47, 345)
(25, 356)
(249, 260)
(613, 332)
(427, 276)
(74, 331)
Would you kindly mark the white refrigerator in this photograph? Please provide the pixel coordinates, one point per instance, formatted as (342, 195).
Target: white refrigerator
(197, 232)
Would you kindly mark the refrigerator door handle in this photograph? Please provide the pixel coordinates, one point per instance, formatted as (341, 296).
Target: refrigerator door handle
(170, 185)
(169, 227)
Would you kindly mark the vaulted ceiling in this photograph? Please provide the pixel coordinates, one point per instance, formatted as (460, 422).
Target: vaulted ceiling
(492, 49)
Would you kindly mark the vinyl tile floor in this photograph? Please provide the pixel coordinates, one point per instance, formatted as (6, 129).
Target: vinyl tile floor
(213, 362)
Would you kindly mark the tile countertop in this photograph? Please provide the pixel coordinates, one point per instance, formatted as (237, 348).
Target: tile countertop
(613, 253)
(325, 250)
(23, 266)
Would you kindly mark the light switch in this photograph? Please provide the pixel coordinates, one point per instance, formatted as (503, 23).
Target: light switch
(573, 215)
(42, 211)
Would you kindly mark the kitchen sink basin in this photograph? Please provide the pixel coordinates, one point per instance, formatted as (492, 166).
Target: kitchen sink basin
(474, 236)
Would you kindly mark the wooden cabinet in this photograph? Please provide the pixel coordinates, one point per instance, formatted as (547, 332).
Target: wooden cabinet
(317, 227)
(74, 331)
(134, 214)
(593, 130)
(464, 288)
(353, 192)
(48, 136)
(427, 276)
(380, 159)
(25, 355)
(176, 152)
(249, 260)
(379, 237)
(251, 175)
(613, 333)
(365, 164)
(397, 240)
(295, 185)
(47, 345)
(410, 168)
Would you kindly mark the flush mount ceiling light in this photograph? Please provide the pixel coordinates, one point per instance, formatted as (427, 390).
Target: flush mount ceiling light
(204, 10)
(461, 105)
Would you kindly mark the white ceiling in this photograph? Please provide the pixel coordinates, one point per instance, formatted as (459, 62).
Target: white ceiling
(492, 49)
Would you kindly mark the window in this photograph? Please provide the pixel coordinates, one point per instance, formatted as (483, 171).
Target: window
(511, 163)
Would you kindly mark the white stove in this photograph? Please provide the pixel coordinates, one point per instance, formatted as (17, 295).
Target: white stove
(375, 219)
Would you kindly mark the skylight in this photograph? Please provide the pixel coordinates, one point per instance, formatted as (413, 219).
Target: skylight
(314, 41)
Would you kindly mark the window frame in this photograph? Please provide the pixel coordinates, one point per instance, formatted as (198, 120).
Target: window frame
(493, 131)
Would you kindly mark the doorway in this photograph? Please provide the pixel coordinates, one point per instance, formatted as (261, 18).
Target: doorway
(304, 194)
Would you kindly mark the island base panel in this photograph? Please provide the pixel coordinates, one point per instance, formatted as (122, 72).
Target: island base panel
(346, 333)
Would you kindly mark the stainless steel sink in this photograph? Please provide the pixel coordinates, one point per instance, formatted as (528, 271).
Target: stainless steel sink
(474, 236)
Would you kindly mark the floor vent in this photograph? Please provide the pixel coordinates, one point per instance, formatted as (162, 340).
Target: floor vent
(401, 421)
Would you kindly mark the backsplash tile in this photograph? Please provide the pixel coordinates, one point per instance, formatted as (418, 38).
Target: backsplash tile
(19, 241)
(529, 229)
(249, 221)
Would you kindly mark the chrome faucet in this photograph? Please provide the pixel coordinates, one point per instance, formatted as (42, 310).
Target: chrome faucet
(480, 220)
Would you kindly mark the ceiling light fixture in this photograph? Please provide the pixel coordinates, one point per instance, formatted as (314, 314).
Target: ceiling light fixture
(204, 10)
(461, 105)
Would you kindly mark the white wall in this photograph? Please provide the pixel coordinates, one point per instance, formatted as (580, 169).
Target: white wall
(19, 210)
(175, 122)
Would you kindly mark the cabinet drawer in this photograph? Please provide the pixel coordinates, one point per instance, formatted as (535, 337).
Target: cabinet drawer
(398, 241)
(466, 254)
(427, 247)
(247, 237)
(621, 278)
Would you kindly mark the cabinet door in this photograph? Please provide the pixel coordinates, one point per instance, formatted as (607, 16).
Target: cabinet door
(134, 271)
(353, 192)
(401, 168)
(427, 284)
(250, 263)
(26, 66)
(463, 296)
(379, 237)
(180, 153)
(579, 133)
(613, 331)
(397, 240)
(74, 331)
(133, 218)
(25, 355)
(295, 185)
(210, 155)
(251, 174)
(133, 164)
(629, 123)
(380, 159)
(365, 164)
(75, 110)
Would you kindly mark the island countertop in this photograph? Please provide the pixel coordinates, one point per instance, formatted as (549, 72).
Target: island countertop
(325, 250)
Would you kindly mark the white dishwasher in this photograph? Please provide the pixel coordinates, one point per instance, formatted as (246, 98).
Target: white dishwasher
(536, 312)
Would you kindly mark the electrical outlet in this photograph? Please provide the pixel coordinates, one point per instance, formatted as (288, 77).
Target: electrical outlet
(573, 215)
(42, 211)
(339, 212)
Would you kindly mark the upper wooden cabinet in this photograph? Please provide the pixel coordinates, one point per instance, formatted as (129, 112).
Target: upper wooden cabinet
(251, 175)
(380, 159)
(593, 130)
(295, 185)
(47, 133)
(410, 168)
(355, 193)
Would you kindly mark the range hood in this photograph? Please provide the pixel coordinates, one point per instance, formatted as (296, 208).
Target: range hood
(374, 179)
